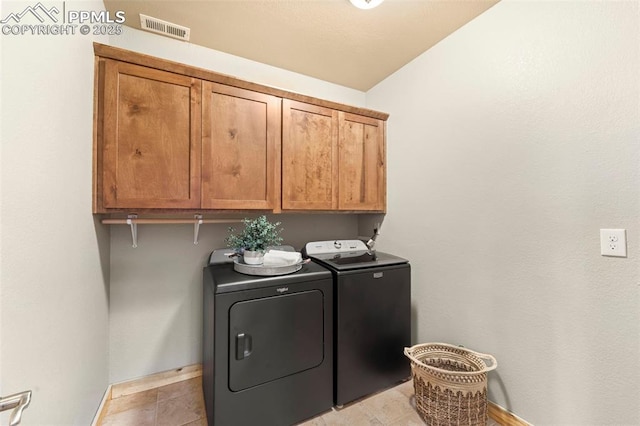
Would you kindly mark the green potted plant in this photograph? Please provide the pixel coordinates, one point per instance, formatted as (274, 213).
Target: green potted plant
(251, 243)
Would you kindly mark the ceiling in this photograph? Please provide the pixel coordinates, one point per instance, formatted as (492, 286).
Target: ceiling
(327, 39)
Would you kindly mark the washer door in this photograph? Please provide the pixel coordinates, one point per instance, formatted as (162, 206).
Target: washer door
(274, 337)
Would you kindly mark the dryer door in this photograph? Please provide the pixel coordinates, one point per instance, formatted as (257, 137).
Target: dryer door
(274, 337)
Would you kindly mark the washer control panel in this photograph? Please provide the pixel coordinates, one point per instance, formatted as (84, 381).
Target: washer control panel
(334, 246)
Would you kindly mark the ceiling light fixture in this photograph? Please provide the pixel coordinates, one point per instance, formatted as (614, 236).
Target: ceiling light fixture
(366, 4)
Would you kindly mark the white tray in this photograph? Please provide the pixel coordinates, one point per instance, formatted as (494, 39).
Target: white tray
(261, 270)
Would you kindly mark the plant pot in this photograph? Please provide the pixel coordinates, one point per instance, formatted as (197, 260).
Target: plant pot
(251, 257)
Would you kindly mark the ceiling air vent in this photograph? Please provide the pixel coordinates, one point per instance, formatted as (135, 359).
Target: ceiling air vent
(163, 27)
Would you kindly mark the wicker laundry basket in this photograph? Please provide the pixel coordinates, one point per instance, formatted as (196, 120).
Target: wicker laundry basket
(450, 384)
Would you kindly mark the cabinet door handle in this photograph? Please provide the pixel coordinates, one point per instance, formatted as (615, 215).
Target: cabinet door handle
(243, 345)
(17, 402)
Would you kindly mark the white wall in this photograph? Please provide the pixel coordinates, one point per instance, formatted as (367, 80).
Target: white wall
(510, 144)
(156, 289)
(255, 72)
(54, 304)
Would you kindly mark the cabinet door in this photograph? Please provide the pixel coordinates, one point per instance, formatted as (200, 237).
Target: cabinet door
(361, 162)
(151, 138)
(241, 134)
(309, 157)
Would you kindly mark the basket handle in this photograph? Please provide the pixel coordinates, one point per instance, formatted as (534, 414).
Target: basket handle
(494, 362)
(487, 368)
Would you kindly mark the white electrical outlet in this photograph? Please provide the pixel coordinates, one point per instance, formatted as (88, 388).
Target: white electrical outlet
(613, 242)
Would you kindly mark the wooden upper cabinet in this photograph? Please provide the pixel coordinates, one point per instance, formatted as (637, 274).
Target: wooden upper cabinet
(331, 160)
(362, 179)
(241, 134)
(309, 157)
(149, 143)
(171, 137)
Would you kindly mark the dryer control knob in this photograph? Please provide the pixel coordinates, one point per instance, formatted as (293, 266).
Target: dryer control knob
(337, 244)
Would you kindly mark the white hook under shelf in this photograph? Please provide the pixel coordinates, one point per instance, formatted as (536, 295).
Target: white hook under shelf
(134, 229)
(196, 228)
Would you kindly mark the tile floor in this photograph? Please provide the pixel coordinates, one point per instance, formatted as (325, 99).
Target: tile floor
(182, 404)
(177, 404)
